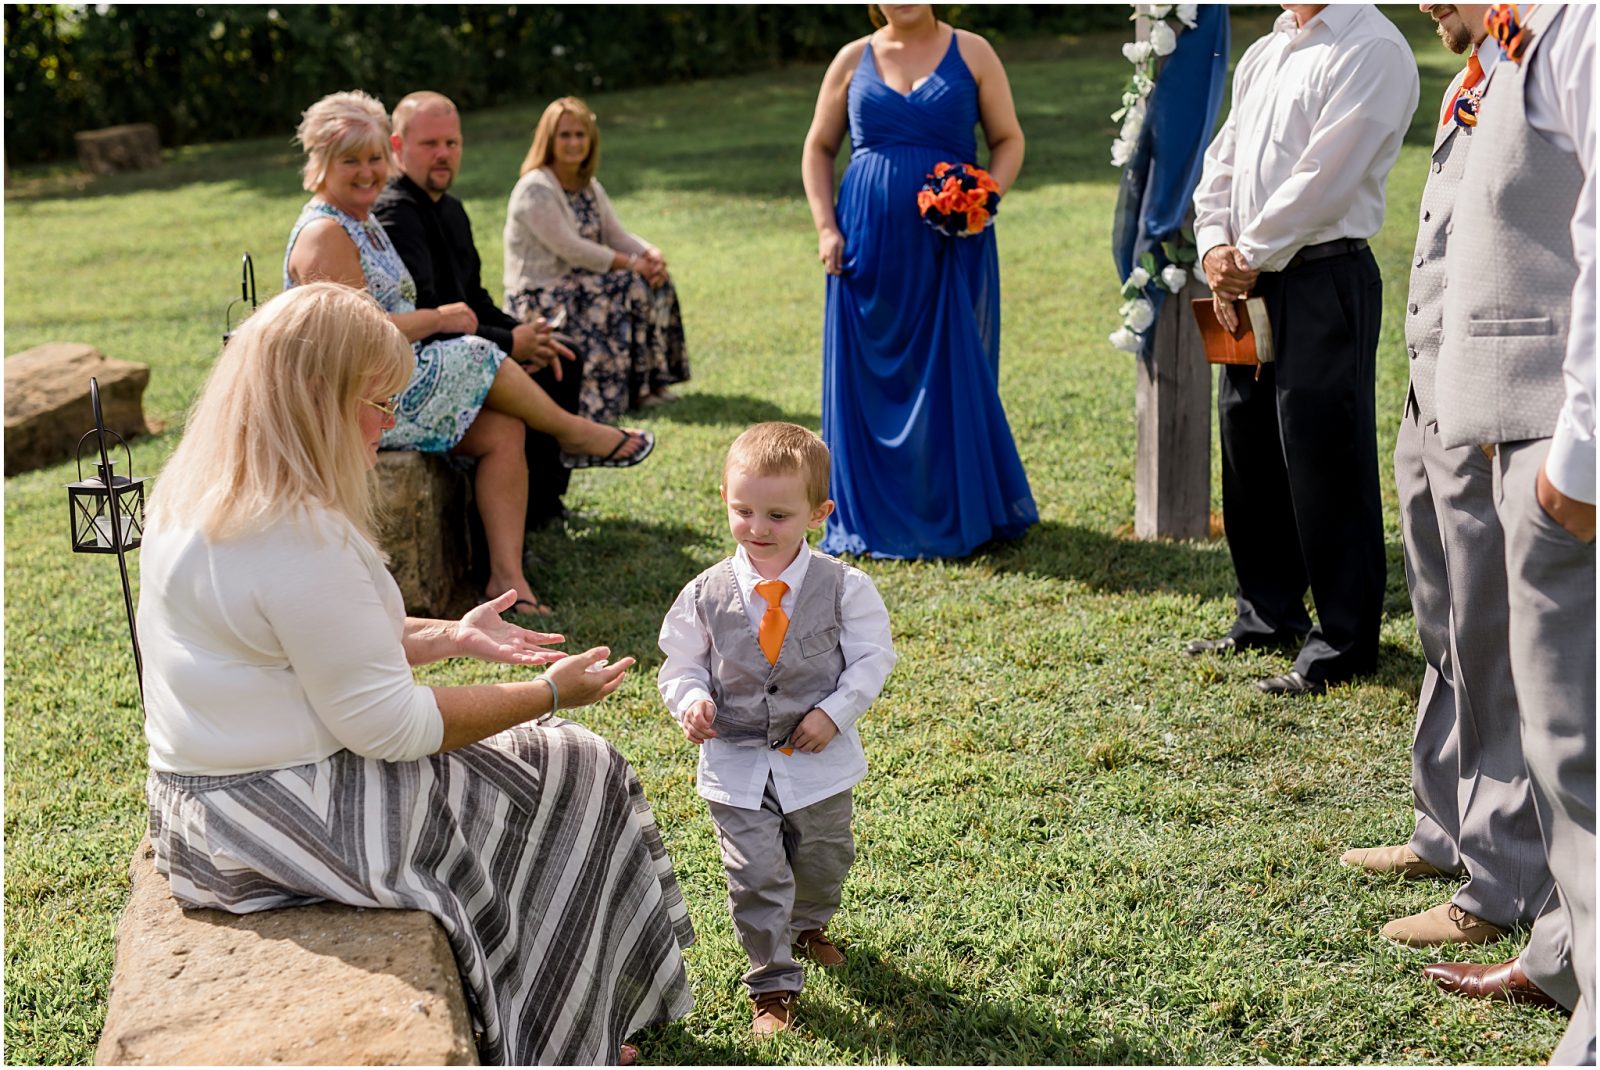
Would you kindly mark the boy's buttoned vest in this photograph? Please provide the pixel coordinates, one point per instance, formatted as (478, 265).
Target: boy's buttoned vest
(1511, 269)
(759, 704)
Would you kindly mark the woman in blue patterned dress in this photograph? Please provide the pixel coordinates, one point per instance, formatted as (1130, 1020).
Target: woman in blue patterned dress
(923, 460)
(464, 396)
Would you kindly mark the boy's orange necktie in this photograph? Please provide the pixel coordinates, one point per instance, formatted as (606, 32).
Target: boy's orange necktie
(774, 622)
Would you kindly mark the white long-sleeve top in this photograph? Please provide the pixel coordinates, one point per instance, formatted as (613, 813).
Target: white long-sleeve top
(738, 776)
(1319, 113)
(1560, 105)
(276, 649)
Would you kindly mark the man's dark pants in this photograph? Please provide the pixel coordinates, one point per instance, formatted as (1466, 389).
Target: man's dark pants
(1300, 498)
(547, 480)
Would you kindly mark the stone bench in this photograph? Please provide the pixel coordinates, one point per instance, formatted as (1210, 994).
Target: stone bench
(315, 985)
(47, 403)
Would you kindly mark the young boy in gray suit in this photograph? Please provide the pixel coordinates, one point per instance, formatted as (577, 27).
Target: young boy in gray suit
(772, 654)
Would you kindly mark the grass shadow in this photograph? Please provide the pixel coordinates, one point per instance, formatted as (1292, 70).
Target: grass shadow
(729, 410)
(920, 1021)
(1110, 563)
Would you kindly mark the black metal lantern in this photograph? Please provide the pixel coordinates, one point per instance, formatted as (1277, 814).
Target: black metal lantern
(105, 512)
(247, 292)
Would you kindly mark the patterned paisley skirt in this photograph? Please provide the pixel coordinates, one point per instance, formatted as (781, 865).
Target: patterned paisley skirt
(444, 395)
(629, 335)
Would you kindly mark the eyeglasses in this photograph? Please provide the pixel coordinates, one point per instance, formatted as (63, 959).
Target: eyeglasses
(389, 408)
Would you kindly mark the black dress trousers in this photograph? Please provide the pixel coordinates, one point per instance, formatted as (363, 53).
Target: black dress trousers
(1300, 499)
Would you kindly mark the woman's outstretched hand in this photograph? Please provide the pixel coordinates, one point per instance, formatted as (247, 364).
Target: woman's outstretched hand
(485, 635)
(587, 678)
(830, 250)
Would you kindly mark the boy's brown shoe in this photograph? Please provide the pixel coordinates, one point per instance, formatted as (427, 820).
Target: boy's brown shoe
(774, 1012)
(815, 945)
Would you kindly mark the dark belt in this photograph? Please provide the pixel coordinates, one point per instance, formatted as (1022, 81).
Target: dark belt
(1325, 249)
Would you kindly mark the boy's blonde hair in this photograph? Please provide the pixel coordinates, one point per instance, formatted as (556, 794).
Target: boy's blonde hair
(780, 449)
(277, 426)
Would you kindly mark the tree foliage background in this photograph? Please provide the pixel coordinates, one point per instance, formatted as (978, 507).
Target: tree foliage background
(212, 73)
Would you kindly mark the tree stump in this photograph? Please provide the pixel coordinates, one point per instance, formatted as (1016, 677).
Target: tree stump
(134, 147)
(425, 527)
(1172, 469)
(47, 401)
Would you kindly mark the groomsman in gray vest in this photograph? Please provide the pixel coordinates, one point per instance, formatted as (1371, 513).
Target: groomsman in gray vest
(1474, 805)
(1516, 376)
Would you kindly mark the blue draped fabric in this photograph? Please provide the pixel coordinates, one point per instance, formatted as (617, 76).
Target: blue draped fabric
(924, 465)
(1160, 177)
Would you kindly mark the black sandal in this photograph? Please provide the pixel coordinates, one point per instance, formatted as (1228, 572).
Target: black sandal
(611, 460)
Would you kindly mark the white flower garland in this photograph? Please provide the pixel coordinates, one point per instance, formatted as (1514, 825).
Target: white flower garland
(1137, 312)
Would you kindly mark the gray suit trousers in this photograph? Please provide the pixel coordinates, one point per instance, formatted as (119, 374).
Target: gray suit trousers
(1473, 797)
(785, 875)
(1552, 594)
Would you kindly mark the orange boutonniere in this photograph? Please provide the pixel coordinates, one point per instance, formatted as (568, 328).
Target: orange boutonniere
(1505, 26)
(958, 200)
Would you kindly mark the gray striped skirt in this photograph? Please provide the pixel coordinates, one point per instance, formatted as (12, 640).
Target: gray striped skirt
(535, 849)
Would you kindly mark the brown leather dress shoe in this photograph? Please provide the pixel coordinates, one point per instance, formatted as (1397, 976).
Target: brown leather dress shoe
(1501, 980)
(774, 1012)
(815, 945)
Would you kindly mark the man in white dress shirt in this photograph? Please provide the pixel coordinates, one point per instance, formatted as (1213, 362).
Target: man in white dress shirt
(1293, 186)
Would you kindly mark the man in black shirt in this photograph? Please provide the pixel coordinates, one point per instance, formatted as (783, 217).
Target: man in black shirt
(430, 229)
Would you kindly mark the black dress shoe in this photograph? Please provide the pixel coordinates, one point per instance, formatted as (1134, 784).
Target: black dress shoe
(1226, 645)
(1290, 683)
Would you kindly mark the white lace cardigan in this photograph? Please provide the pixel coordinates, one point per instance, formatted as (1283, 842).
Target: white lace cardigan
(542, 243)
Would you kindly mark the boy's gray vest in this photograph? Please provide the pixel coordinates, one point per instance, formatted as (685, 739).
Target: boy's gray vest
(1425, 298)
(1511, 268)
(758, 704)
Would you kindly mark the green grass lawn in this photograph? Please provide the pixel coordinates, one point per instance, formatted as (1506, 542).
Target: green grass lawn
(1076, 845)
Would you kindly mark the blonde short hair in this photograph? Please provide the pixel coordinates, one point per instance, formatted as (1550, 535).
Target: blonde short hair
(336, 124)
(276, 427)
(543, 149)
(781, 449)
(411, 103)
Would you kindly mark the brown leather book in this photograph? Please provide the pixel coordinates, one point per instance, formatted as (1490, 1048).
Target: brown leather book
(1249, 343)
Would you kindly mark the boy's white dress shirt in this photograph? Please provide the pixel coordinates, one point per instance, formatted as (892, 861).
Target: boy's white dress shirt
(738, 776)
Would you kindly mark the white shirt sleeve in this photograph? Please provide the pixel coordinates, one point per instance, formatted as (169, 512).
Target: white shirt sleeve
(868, 649)
(324, 608)
(1360, 122)
(1213, 197)
(1567, 99)
(685, 677)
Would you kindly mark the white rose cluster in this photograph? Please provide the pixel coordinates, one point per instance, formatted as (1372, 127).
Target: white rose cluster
(1162, 41)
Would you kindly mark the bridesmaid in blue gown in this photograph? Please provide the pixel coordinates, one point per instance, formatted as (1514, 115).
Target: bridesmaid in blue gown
(924, 465)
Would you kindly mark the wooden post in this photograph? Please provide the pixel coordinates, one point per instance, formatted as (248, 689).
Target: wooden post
(1172, 406)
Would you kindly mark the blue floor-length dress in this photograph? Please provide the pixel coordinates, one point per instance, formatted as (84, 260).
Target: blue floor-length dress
(923, 460)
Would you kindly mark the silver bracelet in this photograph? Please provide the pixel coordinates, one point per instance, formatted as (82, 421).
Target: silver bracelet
(555, 697)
